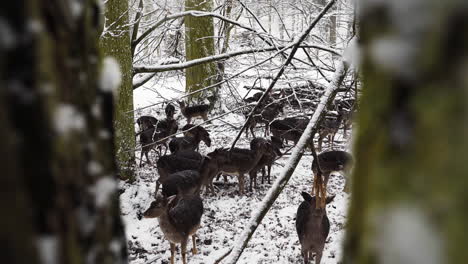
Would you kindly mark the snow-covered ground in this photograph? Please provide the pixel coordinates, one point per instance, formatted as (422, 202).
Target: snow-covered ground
(227, 213)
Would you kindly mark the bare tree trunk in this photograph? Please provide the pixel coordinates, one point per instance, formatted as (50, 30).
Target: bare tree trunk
(410, 180)
(115, 42)
(59, 196)
(199, 43)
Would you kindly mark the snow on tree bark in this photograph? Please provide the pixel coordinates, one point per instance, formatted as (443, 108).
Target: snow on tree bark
(115, 42)
(410, 178)
(52, 171)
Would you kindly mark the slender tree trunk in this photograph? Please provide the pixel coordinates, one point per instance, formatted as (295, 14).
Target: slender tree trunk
(115, 42)
(332, 27)
(199, 42)
(59, 190)
(409, 191)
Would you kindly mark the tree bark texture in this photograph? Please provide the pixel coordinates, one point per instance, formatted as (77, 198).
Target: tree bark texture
(409, 186)
(199, 43)
(59, 190)
(115, 42)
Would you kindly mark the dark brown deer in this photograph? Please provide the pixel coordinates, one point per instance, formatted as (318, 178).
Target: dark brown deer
(179, 218)
(238, 162)
(190, 112)
(330, 161)
(170, 111)
(181, 161)
(265, 116)
(145, 122)
(191, 139)
(267, 160)
(329, 127)
(290, 128)
(181, 182)
(156, 135)
(312, 226)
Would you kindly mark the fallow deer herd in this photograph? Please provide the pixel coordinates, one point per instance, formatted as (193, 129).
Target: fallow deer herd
(185, 172)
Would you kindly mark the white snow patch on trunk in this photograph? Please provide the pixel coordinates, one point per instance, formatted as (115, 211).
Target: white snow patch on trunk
(111, 75)
(47, 248)
(103, 190)
(405, 235)
(68, 119)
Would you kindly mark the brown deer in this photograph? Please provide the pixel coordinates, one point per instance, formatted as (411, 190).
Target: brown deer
(267, 160)
(265, 116)
(238, 162)
(190, 112)
(191, 139)
(179, 218)
(312, 226)
(329, 127)
(182, 160)
(330, 161)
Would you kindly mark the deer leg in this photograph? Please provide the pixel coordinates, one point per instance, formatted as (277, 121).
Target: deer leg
(251, 127)
(320, 140)
(188, 120)
(253, 179)
(305, 255)
(157, 187)
(263, 175)
(173, 249)
(241, 183)
(318, 257)
(141, 157)
(184, 250)
(269, 174)
(194, 245)
(147, 158)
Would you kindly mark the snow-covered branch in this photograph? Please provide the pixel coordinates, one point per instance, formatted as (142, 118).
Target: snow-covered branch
(188, 64)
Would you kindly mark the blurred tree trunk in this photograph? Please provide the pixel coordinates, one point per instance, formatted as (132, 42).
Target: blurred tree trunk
(199, 43)
(115, 42)
(59, 190)
(409, 192)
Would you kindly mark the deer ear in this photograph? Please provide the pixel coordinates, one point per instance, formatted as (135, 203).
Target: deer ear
(330, 199)
(307, 197)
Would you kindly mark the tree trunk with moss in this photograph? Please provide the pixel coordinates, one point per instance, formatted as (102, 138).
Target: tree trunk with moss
(409, 186)
(199, 43)
(59, 183)
(115, 42)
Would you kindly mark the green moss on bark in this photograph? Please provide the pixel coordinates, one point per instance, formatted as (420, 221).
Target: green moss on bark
(199, 43)
(115, 42)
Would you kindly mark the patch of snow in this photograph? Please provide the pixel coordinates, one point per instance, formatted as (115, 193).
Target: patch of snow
(35, 26)
(352, 54)
(103, 190)
(48, 249)
(104, 134)
(8, 39)
(111, 75)
(393, 54)
(404, 234)
(68, 119)
(94, 168)
(76, 8)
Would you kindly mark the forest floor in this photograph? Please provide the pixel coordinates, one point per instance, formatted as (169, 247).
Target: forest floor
(227, 213)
